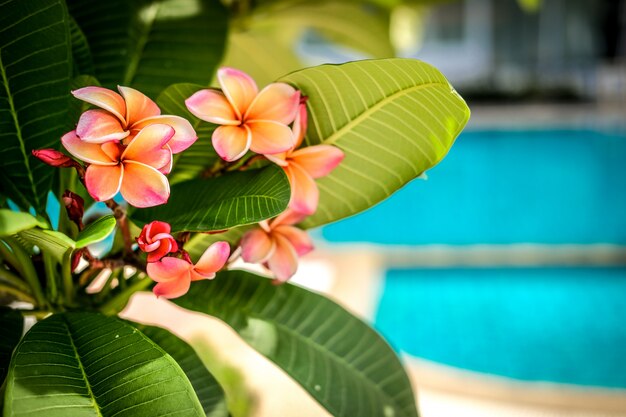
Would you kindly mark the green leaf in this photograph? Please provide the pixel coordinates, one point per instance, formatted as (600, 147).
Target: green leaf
(96, 231)
(12, 222)
(393, 118)
(54, 243)
(89, 364)
(200, 241)
(35, 69)
(233, 199)
(12, 325)
(207, 388)
(152, 44)
(200, 155)
(83, 62)
(344, 364)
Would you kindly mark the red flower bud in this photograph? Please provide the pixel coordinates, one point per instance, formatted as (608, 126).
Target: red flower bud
(75, 206)
(76, 257)
(54, 158)
(155, 239)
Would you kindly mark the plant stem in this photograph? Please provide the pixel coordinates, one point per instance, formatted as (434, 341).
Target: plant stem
(14, 280)
(68, 282)
(51, 276)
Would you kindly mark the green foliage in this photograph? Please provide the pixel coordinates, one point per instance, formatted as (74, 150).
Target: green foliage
(151, 44)
(191, 163)
(207, 389)
(233, 199)
(53, 243)
(35, 70)
(12, 222)
(12, 325)
(393, 118)
(344, 364)
(93, 365)
(96, 231)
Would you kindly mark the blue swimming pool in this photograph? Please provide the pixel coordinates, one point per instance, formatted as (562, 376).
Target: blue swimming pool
(498, 187)
(502, 187)
(562, 325)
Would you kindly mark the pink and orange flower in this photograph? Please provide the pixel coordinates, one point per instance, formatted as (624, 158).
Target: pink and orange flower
(304, 165)
(250, 119)
(277, 245)
(136, 170)
(174, 275)
(155, 240)
(121, 118)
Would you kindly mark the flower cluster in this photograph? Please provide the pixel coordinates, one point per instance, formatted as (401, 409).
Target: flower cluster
(127, 144)
(172, 274)
(259, 121)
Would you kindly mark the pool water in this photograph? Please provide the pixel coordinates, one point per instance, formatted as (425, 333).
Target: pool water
(502, 187)
(562, 325)
(499, 187)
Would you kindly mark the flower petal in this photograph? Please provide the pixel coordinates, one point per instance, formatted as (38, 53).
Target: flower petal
(284, 262)
(102, 181)
(299, 239)
(99, 126)
(105, 99)
(231, 142)
(278, 102)
(319, 160)
(288, 217)
(256, 246)
(211, 261)
(147, 146)
(300, 124)
(212, 106)
(144, 186)
(88, 152)
(184, 134)
(279, 159)
(138, 105)
(239, 88)
(304, 192)
(165, 246)
(168, 269)
(270, 137)
(172, 289)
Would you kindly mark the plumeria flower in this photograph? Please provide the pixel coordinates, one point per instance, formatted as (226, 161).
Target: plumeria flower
(135, 170)
(121, 117)
(277, 245)
(303, 165)
(155, 239)
(249, 119)
(174, 275)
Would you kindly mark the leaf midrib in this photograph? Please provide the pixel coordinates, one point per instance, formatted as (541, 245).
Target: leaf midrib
(319, 348)
(82, 369)
(18, 130)
(370, 110)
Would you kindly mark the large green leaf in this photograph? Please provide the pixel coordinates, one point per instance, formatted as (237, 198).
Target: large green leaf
(12, 325)
(150, 44)
(12, 222)
(35, 66)
(90, 365)
(207, 389)
(393, 118)
(230, 200)
(81, 54)
(200, 155)
(52, 242)
(344, 364)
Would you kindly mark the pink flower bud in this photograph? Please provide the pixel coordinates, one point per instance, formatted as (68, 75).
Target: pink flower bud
(155, 239)
(54, 158)
(75, 206)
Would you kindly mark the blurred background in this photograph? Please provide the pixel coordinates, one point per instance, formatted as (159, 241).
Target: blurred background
(499, 275)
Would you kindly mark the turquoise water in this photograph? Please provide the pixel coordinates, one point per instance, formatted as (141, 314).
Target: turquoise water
(502, 187)
(549, 324)
(498, 187)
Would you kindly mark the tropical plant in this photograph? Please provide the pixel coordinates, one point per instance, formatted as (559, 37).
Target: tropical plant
(107, 106)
